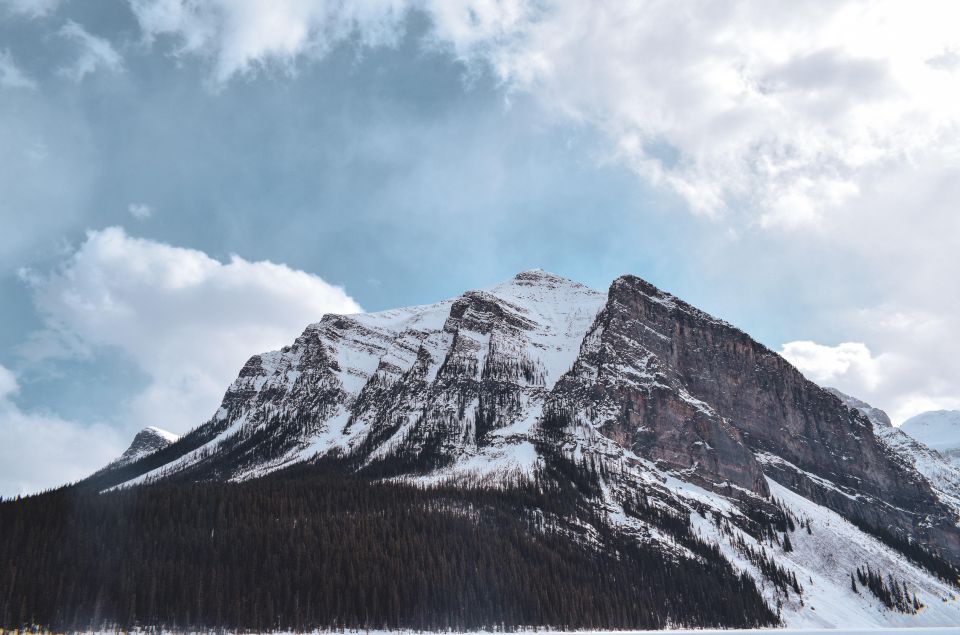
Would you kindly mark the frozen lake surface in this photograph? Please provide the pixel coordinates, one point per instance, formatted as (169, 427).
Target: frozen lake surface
(925, 630)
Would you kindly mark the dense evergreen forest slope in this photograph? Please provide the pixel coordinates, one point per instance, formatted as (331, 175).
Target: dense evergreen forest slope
(306, 551)
(533, 454)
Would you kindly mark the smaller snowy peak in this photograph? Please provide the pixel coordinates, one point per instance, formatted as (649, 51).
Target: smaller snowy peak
(937, 429)
(168, 436)
(877, 417)
(147, 441)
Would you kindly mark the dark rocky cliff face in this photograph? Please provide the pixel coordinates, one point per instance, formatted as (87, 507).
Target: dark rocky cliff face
(805, 436)
(625, 382)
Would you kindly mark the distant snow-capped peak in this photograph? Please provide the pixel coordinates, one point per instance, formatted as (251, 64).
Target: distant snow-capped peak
(938, 429)
(147, 441)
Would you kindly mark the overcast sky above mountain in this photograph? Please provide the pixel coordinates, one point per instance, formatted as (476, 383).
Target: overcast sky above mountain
(185, 183)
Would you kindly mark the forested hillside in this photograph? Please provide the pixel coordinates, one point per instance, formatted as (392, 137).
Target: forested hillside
(304, 551)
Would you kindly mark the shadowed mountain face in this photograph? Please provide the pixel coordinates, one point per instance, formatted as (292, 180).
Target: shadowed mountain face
(461, 388)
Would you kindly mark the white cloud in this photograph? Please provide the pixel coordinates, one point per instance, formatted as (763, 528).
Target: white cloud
(8, 383)
(10, 74)
(41, 450)
(93, 53)
(948, 60)
(140, 211)
(845, 365)
(783, 109)
(916, 371)
(902, 236)
(188, 321)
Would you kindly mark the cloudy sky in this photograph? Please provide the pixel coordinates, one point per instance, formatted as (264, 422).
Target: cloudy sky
(184, 183)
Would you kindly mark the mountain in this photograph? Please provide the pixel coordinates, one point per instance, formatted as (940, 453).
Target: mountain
(879, 418)
(625, 451)
(146, 442)
(940, 472)
(938, 429)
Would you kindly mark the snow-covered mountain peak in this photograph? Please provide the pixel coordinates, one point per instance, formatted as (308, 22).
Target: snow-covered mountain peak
(146, 442)
(938, 429)
(160, 432)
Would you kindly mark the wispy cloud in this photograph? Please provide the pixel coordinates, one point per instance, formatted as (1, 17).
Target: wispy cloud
(140, 211)
(93, 53)
(10, 74)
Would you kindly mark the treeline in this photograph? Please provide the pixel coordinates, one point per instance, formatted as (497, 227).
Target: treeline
(916, 552)
(304, 551)
(782, 578)
(893, 594)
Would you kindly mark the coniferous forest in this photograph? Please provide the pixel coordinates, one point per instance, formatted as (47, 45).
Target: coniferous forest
(308, 550)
